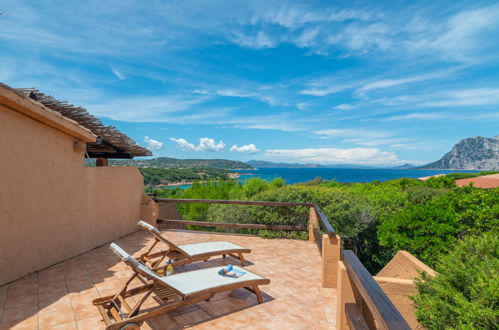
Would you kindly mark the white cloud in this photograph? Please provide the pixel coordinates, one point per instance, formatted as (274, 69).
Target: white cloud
(352, 133)
(321, 91)
(138, 108)
(153, 144)
(363, 38)
(344, 107)
(248, 148)
(367, 142)
(465, 35)
(205, 144)
(418, 116)
(363, 156)
(387, 83)
(302, 106)
(257, 41)
(183, 144)
(118, 74)
(466, 97)
(295, 16)
(229, 92)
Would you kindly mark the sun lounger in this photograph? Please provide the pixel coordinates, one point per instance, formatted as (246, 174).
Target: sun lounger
(187, 253)
(172, 291)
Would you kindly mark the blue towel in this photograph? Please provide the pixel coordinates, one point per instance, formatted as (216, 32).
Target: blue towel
(230, 271)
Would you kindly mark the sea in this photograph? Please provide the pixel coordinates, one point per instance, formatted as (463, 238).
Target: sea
(296, 175)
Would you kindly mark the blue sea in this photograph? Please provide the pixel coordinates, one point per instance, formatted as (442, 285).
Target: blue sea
(295, 175)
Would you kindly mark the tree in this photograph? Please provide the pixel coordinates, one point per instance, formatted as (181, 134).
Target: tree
(465, 294)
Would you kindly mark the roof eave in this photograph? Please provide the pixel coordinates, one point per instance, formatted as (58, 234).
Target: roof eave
(35, 110)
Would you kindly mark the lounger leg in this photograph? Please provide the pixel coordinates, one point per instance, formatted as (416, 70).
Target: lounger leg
(258, 293)
(256, 290)
(241, 258)
(157, 311)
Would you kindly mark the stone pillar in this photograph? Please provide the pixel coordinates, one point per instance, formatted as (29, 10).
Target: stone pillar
(312, 223)
(331, 253)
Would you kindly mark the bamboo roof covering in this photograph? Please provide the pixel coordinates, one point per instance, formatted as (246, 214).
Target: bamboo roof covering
(110, 143)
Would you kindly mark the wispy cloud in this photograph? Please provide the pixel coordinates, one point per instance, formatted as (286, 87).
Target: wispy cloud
(140, 108)
(258, 41)
(352, 133)
(386, 83)
(418, 116)
(466, 97)
(344, 106)
(118, 74)
(465, 35)
(257, 95)
(353, 73)
(318, 91)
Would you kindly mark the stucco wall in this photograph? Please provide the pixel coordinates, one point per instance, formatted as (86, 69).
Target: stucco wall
(51, 206)
(397, 281)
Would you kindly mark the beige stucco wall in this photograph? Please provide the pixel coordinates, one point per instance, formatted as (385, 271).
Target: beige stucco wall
(51, 206)
(397, 281)
(149, 210)
(405, 266)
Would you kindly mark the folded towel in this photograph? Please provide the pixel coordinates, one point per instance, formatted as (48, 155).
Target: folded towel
(230, 271)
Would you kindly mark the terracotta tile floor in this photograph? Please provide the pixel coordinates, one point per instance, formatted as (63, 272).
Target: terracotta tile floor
(60, 297)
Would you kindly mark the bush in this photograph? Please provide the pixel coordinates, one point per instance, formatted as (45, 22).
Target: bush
(430, 229)
(465, 294)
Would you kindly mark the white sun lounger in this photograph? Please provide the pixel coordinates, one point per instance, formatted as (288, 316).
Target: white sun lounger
(187, 253)
(172, 291)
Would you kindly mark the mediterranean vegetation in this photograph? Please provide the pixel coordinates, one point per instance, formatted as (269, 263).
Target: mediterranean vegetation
(154, 176)
(168, 162)
(465, 293)
(441, 224)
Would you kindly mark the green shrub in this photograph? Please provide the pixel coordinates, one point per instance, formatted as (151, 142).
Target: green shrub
(430, 229)
(465, 294)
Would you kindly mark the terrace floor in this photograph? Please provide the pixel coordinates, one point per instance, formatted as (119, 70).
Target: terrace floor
(60, 297)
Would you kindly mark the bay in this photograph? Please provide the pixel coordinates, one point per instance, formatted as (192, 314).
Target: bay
(296, 175)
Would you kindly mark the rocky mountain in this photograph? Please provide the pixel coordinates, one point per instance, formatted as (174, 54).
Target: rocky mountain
(475, 153)
(167, 162)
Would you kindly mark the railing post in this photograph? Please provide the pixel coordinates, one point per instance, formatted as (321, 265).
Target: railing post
(312, 223)
(331, 252)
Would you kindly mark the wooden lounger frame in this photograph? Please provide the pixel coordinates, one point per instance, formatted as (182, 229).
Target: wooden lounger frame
(118, 314)
(180, 257)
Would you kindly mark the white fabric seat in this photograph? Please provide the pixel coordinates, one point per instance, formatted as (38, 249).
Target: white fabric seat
(188, 283)
(205, 279)
(209, 247)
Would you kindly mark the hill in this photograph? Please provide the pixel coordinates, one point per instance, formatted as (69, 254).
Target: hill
(167, 162)
(263, 163)
(475, 153)
(154, 176)
(404, 166)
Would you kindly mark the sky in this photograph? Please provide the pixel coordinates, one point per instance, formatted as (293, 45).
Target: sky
(328, 82)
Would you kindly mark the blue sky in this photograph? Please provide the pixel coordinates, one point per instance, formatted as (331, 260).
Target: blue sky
(330, 82)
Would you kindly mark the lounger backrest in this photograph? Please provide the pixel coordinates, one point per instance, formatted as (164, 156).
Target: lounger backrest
(156, 233)
(134, 263)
